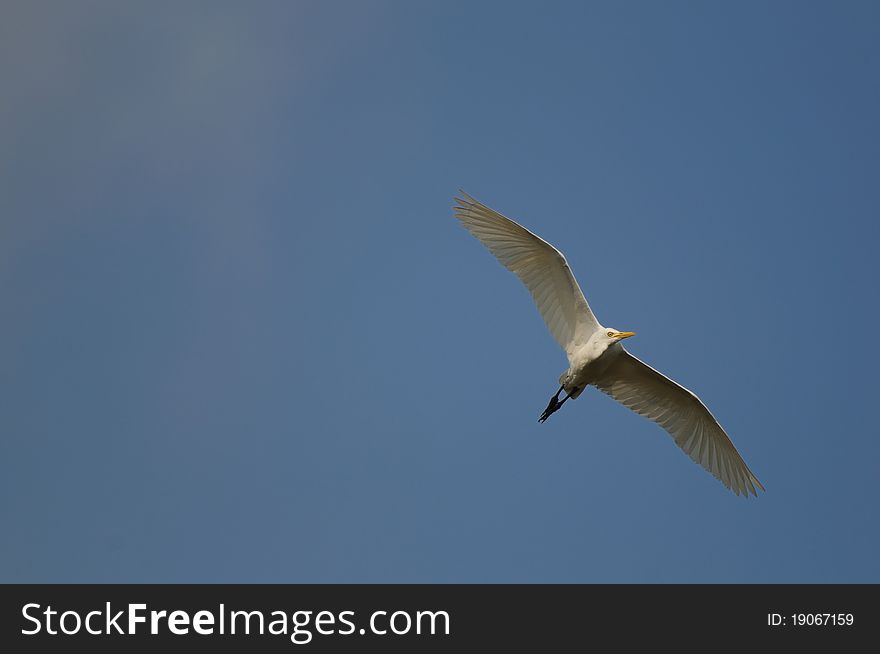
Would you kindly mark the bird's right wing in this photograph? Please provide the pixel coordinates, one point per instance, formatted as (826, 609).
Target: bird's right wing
(639, 387)
(540, 266)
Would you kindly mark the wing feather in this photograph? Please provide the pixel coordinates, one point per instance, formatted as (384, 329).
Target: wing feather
(541, 268)
(695, 430)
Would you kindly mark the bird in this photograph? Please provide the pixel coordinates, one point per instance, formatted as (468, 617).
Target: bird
(595, 354)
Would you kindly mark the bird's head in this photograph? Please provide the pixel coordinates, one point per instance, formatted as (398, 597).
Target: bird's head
(604, 338)
(613, 335)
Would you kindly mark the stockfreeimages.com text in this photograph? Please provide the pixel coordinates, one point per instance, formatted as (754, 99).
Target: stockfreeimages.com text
(300, 626)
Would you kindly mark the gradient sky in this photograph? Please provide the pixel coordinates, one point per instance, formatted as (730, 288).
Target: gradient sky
(244, 340)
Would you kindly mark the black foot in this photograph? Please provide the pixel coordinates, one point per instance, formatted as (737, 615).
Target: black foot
(551, 408)
(555, 404)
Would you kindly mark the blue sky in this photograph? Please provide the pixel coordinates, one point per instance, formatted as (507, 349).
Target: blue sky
(244, 340)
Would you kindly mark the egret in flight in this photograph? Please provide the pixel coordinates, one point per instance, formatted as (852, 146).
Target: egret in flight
(595, 355)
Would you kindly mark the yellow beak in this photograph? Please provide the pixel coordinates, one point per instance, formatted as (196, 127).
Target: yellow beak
(622, 335)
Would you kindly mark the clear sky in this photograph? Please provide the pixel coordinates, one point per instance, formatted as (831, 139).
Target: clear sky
(244, 340)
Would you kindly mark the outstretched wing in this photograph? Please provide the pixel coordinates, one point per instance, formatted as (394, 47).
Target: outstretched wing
(639, 387)
(540, 266)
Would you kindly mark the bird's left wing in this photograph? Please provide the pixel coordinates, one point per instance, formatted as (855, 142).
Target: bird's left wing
(639, 387)
(540, 266)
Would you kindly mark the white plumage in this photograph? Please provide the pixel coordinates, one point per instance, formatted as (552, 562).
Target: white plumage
(594, 352)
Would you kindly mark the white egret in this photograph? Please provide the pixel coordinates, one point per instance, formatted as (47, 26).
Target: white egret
(595, 355)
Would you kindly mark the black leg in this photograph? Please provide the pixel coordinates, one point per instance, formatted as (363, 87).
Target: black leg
(553, 405)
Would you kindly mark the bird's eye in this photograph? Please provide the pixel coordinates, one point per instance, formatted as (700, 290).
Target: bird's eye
(610, 334)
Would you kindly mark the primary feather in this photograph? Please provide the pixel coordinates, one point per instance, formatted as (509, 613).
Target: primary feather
(540, 266)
